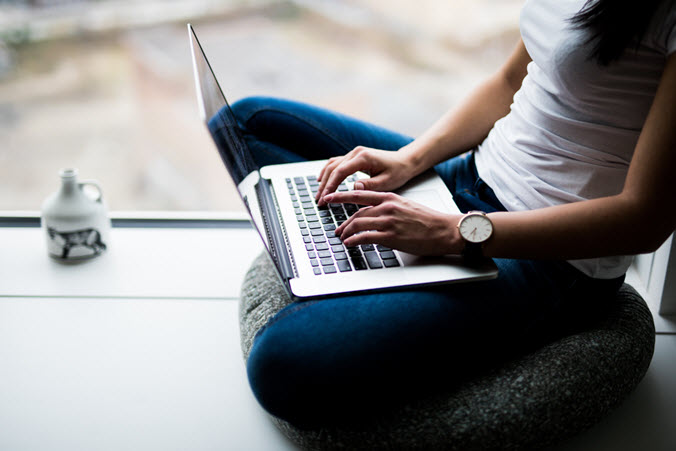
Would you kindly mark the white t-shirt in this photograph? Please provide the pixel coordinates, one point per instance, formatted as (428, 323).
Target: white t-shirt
(573, 125)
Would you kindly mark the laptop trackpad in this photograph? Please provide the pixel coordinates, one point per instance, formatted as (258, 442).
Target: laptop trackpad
(428, 198)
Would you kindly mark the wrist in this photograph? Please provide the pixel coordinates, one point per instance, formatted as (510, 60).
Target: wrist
(476, 229)
(454, 242)
(414, 158)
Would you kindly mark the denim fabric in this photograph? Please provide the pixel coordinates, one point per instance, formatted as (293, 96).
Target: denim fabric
(321, 362)
(283, 131)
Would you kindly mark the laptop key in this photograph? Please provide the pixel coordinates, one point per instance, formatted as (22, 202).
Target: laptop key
(334, 240)
(317, 270)
(340, 256)
(329, 269)
(314, 262)
(351, 209)
(324, 254)
(391, 263)
(344, 266)
(326, 261)
(337, 248)
(358, 263)
(373, 260)
(322, 247)
(386, 255)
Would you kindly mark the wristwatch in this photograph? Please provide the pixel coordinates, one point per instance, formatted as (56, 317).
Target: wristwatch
(475, 228)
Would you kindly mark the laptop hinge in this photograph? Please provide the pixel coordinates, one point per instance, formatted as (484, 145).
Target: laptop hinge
(274, 228)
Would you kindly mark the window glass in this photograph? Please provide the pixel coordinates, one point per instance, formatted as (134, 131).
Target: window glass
(106, 86)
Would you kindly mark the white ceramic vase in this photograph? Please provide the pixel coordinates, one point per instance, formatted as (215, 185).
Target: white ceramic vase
(76, 224)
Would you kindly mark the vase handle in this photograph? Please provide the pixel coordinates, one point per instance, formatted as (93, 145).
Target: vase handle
(95, 184)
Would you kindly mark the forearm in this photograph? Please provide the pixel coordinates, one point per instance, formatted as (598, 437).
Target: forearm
(614, 225)
(462, 128)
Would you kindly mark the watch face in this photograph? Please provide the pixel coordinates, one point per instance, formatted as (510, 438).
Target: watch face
(476, 228)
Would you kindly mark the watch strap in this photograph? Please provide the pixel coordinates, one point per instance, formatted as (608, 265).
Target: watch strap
(473, 253)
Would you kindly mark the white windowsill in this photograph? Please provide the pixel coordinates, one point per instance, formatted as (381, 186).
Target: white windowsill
(170, 263)
(141, 345)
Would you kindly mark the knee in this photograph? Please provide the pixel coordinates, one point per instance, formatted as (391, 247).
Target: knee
(279, 378)
(244, 109)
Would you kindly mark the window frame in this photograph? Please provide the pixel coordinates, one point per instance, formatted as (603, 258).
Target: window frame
(144, 219)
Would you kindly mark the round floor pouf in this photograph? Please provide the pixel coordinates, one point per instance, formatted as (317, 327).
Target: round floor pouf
(532, 402)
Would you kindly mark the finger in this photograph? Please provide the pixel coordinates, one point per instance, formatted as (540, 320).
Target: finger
(340, 173)
(359, 197)
(370, 237)
(360, 225)
(327, 170)
(361, 213)
(376, 183)
(329, 162)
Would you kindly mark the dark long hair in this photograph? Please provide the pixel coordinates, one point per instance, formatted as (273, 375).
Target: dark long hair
(615, 25)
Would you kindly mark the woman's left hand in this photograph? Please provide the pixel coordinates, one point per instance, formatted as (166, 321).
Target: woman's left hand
(398, 223)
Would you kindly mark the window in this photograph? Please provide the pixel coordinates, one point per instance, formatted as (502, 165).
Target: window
(106, 86)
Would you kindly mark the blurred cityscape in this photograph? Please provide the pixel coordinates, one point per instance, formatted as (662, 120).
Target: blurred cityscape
(106, 85)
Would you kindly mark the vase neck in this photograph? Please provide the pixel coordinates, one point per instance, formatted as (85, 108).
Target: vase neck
(69, 183)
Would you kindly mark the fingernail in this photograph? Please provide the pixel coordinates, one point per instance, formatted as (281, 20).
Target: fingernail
(358, 185)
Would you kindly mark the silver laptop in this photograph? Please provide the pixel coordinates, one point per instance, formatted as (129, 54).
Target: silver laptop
(298, 235)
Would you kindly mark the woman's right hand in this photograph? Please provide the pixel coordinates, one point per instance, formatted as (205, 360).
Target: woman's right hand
(388, 170)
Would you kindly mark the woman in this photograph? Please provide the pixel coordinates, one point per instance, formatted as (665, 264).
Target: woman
(570, 149)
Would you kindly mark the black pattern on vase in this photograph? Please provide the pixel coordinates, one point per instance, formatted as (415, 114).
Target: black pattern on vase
(89, 238)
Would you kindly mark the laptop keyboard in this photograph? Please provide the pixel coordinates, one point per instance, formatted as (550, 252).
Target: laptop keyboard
(325, 250)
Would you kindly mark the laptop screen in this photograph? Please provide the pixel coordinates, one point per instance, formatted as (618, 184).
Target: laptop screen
(226, 134)
(220, 121)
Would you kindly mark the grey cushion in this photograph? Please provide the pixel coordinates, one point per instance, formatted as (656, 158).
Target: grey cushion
(529, 403)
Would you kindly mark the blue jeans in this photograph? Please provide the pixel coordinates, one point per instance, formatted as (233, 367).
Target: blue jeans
(323, 362)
